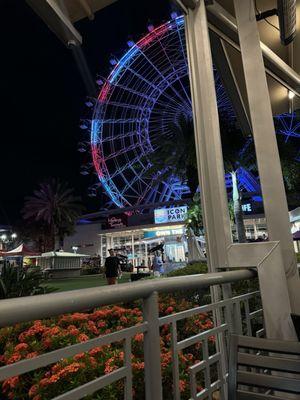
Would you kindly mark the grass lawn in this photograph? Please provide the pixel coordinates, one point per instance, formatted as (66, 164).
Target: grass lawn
(82, 282)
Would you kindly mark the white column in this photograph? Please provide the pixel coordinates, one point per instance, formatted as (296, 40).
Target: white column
(132, 247)
(207, 138)
(274, 196)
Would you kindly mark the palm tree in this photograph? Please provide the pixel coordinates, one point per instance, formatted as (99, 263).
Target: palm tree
(175, 155)
(178, 156)
(54, 205)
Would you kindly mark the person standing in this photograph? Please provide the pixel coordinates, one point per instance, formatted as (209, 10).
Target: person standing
(112, 268)
(157, 265)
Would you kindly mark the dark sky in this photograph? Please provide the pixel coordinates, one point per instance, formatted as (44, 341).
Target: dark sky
(43, 94)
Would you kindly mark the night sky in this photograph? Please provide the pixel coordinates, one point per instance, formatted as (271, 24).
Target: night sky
(43, 95)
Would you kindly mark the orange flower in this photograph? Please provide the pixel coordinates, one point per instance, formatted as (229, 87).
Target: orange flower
(14, 358)
(138, 365)
(74, 331)
(47, 343)
(53, 379)
(92, 328)
(95, 351)
(10, 383)
(44, 382)
(33, 390)
(93, 362)
(32, 354)
(79, 356)
(83, 337)
(21, 347)
(108, 367)
(139, 337)
(79, 317)
(182, 385)
(101, 324)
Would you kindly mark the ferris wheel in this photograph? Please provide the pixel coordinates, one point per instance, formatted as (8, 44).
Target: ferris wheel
(146, 92)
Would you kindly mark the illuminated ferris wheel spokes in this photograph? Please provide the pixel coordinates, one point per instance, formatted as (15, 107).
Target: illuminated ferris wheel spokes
(145, 96)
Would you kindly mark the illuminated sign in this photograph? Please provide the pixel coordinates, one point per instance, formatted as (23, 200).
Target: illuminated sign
(174, 214)
(247, 207)
(117, 221)
(163, 233)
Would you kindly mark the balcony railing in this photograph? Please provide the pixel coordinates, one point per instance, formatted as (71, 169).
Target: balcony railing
(239, 314)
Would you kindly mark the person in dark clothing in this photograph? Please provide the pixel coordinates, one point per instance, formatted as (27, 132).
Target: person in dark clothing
(112, 268)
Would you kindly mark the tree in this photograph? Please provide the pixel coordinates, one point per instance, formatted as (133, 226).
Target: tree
(238, 151)
(55, 207)
(178, 156)
(194, 216)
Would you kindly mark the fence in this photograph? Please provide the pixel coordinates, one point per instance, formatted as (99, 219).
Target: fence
(239, 314)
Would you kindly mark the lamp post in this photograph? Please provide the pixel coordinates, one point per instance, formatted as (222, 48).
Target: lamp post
(6, 239)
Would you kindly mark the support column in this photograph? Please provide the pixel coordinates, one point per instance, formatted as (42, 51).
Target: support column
(207, 138)
(275, 203)
(132, 247)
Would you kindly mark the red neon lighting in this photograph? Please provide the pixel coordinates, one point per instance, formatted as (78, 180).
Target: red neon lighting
(104, 91)
(98, 160)
(160, 31)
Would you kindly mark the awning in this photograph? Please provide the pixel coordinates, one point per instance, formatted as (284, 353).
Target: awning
(21, 251)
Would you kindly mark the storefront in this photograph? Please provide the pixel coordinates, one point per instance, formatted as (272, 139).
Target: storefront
(136, 243)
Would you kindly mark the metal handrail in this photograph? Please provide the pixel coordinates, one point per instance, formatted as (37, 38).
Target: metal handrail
(24, 309)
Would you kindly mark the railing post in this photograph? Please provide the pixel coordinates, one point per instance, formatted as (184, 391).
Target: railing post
(153, 380)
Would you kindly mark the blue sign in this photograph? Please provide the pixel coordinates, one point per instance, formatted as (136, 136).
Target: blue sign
(174, 214)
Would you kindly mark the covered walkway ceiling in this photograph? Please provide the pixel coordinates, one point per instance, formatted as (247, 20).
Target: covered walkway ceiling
(282, 62)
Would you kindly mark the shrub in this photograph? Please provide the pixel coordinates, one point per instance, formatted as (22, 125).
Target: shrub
(298, 257)
(190, 269)
(28, 340)
(19, 282)
(91, 269)
(195, 296)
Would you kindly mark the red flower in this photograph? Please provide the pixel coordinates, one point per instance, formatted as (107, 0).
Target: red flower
(169, 310)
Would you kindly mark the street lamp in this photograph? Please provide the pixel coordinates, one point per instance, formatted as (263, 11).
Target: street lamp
(3, 237)
(75, 248)
(291, 95)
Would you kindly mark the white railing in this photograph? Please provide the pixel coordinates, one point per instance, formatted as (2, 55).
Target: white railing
(230, 314)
